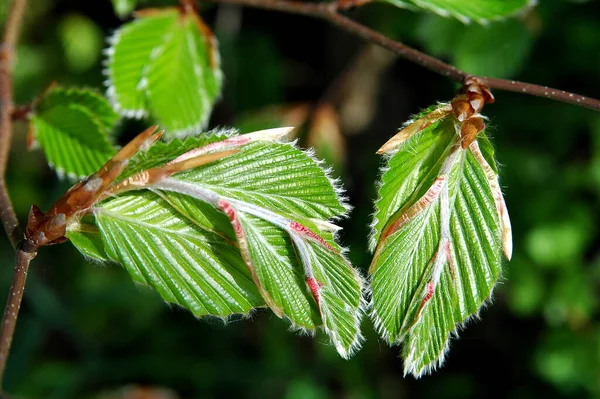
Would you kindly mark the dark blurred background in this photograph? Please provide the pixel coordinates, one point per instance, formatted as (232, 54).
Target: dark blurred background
(86, 331)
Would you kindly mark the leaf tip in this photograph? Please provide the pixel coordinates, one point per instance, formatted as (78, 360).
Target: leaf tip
(276, 134)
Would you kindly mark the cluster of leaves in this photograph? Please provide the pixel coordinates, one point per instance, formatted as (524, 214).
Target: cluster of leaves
(439, 225)
(164, 64)
(222, 224)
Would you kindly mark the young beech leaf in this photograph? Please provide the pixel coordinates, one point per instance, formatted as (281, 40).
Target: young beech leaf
(165, 65)
(466, 11)
(439, 229)
(72, 127)
(246, 226)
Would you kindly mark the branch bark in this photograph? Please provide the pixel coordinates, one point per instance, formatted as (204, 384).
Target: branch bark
(329, 13)
(7, 213)
(7, 52)
(13, 304)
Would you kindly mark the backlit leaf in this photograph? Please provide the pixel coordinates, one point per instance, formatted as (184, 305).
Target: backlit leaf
(248, 229)
(438, 233)
(72, 126)
(165, 65)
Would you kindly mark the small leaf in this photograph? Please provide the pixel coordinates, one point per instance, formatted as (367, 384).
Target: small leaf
(248, 228)
(128, 57)
(439, 229)
(480, 11)
(72, 127)
(165, 65)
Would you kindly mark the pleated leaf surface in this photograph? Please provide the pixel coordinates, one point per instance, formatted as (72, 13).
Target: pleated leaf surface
(250, 229)
(439, 230)
(73, 127)
(165, 65)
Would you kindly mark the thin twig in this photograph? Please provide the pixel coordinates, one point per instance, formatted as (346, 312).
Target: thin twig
(7, 52)
(329, 12)
(13, 304)
(7, 213)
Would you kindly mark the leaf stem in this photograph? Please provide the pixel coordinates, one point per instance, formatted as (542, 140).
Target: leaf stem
(23, 257)
(329, 13)
(7, 52)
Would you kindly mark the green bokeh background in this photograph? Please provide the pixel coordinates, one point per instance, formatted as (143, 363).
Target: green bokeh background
(86, 331)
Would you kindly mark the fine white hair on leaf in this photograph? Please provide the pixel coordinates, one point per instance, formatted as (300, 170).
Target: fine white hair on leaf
(336, 183)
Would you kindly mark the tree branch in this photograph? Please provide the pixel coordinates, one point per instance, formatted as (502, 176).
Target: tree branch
(7, 213)
(329, 12)
(7, 52)
(13, 304)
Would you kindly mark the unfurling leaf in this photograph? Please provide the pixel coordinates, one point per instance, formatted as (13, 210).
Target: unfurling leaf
(165, 65)
(480, 11)
(439, 230)
(72, 126)
(221, 224)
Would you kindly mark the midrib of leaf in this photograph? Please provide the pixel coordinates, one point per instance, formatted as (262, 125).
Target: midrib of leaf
(281, 276)
(422, 169)
(468, 203)
(428, 338)
(340, 296)
(171, 77)
(248, 194)
(392, 283)
(308, 188)
(132, 50)
(319, 289)
(103, 211)
(183, 203)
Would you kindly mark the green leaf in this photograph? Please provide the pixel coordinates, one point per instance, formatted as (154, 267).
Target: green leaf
(165, 65)
(254, 224)
(124, 7)
(439, 228)
(255, 176)
(84, 234)
(72, 127)
(480, 11)
(499, 49)
(278, 274)
(186, 264)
